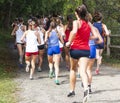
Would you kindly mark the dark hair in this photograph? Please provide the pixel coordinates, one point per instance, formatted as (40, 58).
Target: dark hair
(70, 17)
(97, 16)
(20, 19)
(82, 12)
(70, 21)
(16, 19)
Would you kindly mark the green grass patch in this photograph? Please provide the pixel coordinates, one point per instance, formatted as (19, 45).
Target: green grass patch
(113, 60)
(7, 70)
(7, 90)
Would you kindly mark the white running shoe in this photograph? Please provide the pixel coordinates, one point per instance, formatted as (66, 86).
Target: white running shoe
(86, 95)
(39, 69)
(27, 68)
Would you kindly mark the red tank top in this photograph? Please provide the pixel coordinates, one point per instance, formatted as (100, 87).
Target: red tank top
(81, 40)
(67, 33)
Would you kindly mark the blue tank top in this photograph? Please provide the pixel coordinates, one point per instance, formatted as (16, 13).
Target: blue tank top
(53, 40)
(99, 27)
(91, 42)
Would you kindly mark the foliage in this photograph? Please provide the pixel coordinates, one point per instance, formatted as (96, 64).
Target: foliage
(70, 5)
(110, 10)
(9, 9)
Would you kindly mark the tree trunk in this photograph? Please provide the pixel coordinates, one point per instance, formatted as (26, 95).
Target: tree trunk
(7, 15)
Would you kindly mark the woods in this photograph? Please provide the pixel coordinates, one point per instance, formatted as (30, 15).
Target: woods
(10, 9)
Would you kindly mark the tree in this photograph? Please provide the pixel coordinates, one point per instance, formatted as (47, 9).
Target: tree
(10, 9)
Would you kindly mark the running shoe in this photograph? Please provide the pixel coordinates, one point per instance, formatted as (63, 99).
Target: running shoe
(27, 68)
(57, 82)
(85, 98)
(21, 65)
(97, 71)
(51, 74)
(39, 69)
(71, 94)
(31, 78)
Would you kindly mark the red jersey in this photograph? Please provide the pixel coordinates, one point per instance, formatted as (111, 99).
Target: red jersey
(67, 33)
(81, 40)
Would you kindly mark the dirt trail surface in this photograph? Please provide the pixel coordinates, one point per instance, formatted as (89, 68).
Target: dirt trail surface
(105, 86)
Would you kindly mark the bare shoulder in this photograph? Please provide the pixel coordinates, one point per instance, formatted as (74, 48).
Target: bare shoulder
(95, 28)
(103, 25)
(76, 21)
(36, 33)
(26, 32)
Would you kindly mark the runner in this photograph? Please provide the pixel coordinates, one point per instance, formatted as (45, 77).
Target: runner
(32, 40)
(68, 28)
(41, 46)
(18, 31)
(79, 49)
(99, 47)
(15, 23)
(92, 44)
(60, 29)
(52, 38)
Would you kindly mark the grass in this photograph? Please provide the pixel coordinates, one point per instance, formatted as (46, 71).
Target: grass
(114, 58)
(7, 71)
(111, 61)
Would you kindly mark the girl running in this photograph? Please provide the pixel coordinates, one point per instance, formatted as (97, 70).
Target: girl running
(31, 53)
(18, 31)
(52, 38)
(79, 49)
(41, 47)
(68, 28)
(92, 44)
(60, 29)
(99, 47)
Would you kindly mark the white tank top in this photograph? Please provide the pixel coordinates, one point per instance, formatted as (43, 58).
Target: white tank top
(41, 36)
(61, 31)
(31, 42)
(19, 34)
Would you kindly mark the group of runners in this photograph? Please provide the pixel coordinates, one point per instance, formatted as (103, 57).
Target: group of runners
(81, 39)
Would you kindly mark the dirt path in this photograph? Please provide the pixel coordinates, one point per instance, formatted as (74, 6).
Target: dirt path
(105, 87)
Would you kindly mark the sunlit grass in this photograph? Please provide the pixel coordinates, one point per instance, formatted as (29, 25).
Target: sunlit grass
(7, 70)
(7, 90)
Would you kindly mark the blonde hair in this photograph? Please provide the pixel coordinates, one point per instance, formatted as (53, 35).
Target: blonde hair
(90, 18)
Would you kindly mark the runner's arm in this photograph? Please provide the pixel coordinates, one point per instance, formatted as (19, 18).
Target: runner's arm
(13, 31)
(23, 37)
(38, 37)
(106, 30)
